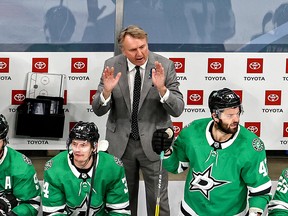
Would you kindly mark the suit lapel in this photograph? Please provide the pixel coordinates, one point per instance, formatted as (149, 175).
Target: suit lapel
(147, 85)
(123, 82)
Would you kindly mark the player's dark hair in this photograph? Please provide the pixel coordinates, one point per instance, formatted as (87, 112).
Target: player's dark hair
(84, 131)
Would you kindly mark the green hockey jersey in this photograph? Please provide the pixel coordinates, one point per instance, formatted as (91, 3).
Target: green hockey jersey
(219, 180)
(66, 190)
(279, 204)
(18, 177)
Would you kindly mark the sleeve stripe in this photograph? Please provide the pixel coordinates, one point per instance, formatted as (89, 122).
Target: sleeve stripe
(53, 209)
(277, 204)
(260, 189)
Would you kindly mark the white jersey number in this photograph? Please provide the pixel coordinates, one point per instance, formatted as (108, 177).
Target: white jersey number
(263, 168)
(282, 185)
(45, 189)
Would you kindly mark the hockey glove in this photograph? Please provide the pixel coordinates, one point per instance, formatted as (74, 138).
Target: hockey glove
(162, 139)
(5, 205)
(2, 213)
(8, 202)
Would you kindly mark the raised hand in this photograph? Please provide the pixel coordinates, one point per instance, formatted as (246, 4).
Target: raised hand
(158, 78)
(109, 81)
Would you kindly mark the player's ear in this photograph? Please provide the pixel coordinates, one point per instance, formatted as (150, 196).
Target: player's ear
(95, 147)
(214, 117)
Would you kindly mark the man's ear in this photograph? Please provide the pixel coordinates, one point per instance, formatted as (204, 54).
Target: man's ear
(95, 147)
(215, 117)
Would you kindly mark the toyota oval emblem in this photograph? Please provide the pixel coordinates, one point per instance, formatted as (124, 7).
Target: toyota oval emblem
(178, 65)
(253, 129)
(40, 65)
(176, 129)
(273, 97)
(19, 97)
(3, 65)
(254, 65)
(195, 97)
(215, 65)
(79, 65)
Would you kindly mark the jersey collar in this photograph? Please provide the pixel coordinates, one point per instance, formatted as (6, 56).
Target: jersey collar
(224, 145)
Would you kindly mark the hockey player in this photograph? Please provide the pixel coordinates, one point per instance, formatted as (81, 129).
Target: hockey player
(279, 204)
(67, 178)
(227, 162)
(19, 185)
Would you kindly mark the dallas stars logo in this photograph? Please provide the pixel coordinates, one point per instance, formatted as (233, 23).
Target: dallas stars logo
(82, 208)
(204, 182)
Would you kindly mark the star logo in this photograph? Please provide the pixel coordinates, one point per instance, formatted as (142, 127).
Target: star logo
(204, 182)
(82, 208)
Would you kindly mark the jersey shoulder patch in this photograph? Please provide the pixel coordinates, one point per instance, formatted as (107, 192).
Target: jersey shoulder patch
(26, 159)
(118, 161)
(286, 173)
(258, 144)
(48, 165)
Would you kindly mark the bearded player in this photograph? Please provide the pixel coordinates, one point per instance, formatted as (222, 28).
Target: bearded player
(228, 173)
(68, 184)
(19, 185)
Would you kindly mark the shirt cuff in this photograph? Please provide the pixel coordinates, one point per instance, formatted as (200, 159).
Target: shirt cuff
(104, 102)
(165, 97)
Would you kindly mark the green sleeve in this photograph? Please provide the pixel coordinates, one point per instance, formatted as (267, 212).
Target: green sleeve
(27, 191)
(117, 198)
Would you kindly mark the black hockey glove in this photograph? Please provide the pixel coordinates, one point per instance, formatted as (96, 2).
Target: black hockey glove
(2, 213)
(162, 139)
(5, 205)
(8, 202)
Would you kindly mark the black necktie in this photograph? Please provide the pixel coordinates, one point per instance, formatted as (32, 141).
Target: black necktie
(136, 99)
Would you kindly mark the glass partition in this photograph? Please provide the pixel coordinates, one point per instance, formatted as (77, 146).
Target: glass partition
(172, 25)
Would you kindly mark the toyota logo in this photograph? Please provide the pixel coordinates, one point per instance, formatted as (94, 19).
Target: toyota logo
(215, 65)
(3, 65)
(19, 97)
(286, 129)
(253, 129)
(176, 129)
(40, 65)
(79, 65)
(254, 65)
(93, 96)
(195, 97)
(273, 97)
(178, 65)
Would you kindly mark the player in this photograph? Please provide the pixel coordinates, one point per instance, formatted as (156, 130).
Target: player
(279, 204)
(227, 162)
(19, 185)
(67, 178)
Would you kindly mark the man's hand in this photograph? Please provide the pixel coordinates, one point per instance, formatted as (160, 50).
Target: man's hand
(109, 81)
(162, 139)
(158, 78)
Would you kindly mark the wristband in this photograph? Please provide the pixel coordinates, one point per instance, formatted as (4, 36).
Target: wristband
(168, 152)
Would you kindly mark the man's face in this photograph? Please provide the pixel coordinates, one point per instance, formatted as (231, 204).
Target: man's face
(229, 120)
(82, 150)
(136, 50)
